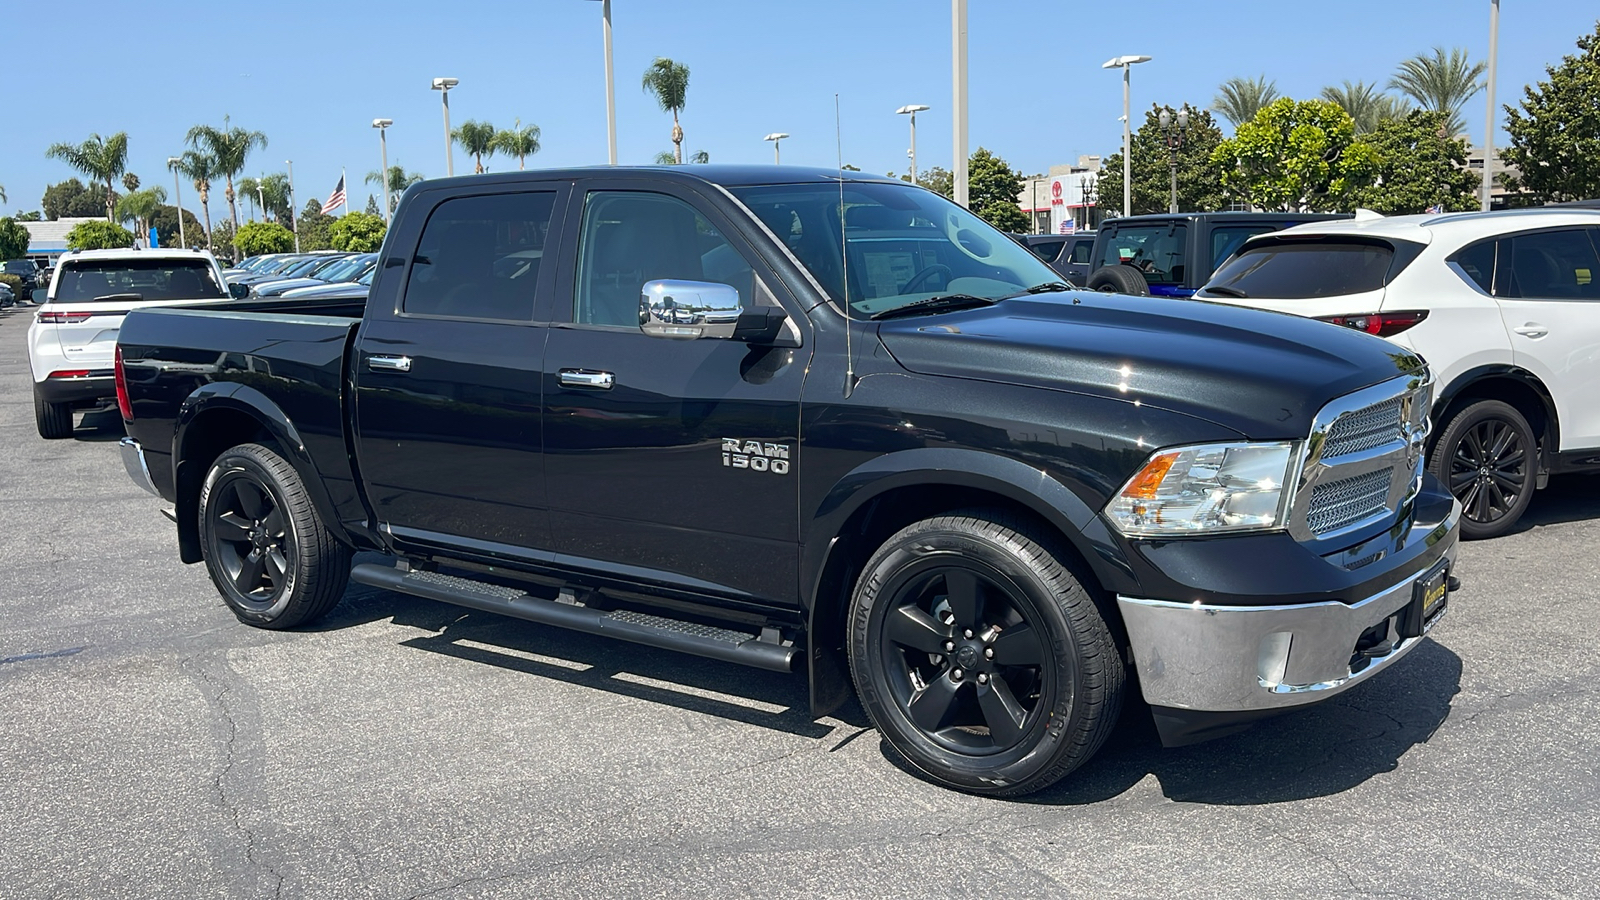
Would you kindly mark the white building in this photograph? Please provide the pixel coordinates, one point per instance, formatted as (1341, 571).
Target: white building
(1064, 200)
(48, 240)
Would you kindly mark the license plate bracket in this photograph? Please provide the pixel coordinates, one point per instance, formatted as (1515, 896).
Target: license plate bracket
(1430, 594)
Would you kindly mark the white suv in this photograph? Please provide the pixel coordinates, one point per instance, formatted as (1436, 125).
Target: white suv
(1504, 306)
(72, 342)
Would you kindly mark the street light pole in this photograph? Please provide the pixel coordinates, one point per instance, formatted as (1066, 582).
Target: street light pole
(177, 193)
(611, 90)
(443, 86)
(290, 164)
(1489, 117)
(1126, 64)
(383, 143)
(1174, 129)
(912, 111)
(958, 37)
(775, 138)
(261, 197)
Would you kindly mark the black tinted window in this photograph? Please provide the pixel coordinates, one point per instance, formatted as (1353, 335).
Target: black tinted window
(1081, 251)
(1553, 265)
(1227, 239)
(1046, 250)
(1477, 261)
(1156, 250)
(1298, 271)
(479, 257)
(86, 281)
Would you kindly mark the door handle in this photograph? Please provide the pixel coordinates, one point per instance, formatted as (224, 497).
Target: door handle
(389, 363)
(1532, 329)
(586, 378)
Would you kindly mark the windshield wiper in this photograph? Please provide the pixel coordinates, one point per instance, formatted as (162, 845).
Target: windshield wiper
(1049, 287)
(943, 303)
(1225, 291)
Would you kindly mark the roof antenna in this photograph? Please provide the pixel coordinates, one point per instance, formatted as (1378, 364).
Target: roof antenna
(844, 256)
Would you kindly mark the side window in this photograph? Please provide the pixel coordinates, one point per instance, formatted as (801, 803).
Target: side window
(1081, 251)
(1225, 241)
(1477, 261)
(479, 257)
(1553, 265)
(1046, 250)
(632, 237)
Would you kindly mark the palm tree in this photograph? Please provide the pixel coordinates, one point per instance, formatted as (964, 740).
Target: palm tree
(399, 180)
(275, 188)
(477, 138)
(3, 194)
(100, 159)
(669, 81)
(130, 181)
(230, 150)
(1239, 99)
(248, 187)
(668, 158)
(139, 206)
(522, 142)
(200, 169)
(1365, 103)
(1441, 82)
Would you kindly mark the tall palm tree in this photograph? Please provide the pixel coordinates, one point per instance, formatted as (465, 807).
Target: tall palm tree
(100, 159)
(1239, 99)
(669, 158)
(669, 81)
(139, 206)
(200, 169)
(399, 180)
(1441, 82)
(130, 181)
(477, 138)
(522, 141)
(248, 187)
(230, 149)
(1365, 103)
(275, 188)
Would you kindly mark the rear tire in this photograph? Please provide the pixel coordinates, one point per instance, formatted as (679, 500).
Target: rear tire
(1488, 458)
(268, 553)
(54, 419)
(979, 656)
(1119, 279)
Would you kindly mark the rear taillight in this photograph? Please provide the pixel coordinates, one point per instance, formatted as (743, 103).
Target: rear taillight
(63, 318)
(1381, 324)
(123, 403)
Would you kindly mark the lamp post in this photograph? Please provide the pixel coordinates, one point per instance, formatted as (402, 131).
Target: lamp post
(1175, 129)
(611, 93)
(443, 86)
(1126, 64)
(1488, 127)
(912, 112)
(261, 197)
(290, 164)
(775, 137)
(177, 194)
(383, 173)
(958, 38)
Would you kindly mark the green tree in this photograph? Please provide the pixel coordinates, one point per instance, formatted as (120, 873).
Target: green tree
(372, 206)
(229, 148)
(1296, 157)
(992, 189)
(312, 226)
(200, 168)
(220, 240)
(72, 199)
(477, 139)
(1366, 104)
(130, 181)
(357, 233)
(99, 159)
(522, 141)
(98, 235)
(668, 81)
(1199, 182)
(165, 222)
(138, 206)
(1419, 167)
(30, 216)
(936, 179)
(1555, 136)
(1441, 82)
(275, 188)
(399, 180)
(247, 186)
(13, 242)
(1239, 99)
(256, 238)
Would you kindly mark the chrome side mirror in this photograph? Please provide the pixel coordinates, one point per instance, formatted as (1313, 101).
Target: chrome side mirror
(238, 291)
(687, 310)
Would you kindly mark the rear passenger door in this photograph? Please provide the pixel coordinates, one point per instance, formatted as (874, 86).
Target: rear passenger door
(447, 372)
(1548, 286)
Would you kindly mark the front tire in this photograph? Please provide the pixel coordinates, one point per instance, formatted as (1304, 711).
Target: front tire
(268, 553)
(54, 419)
(980, 657)
(1488, 458)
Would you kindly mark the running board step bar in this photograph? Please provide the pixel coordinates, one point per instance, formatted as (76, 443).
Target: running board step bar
(639, 628)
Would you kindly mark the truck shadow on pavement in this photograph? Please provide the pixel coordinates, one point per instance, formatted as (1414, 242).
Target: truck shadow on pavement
(100, 426)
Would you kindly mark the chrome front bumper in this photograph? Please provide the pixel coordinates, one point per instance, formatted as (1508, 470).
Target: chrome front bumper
(133, 461)
(1239, 658)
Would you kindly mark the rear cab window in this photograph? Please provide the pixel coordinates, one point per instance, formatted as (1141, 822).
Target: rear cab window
(115, 280)
(1156, 250)
(1303, 270)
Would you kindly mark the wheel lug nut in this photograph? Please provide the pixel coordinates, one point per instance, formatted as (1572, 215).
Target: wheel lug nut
(956, 674)
(988, 653)
(982, 678)
(949, 646)
(969, 633)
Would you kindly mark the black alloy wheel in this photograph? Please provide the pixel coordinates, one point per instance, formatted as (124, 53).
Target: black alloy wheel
(251, 540)
(1487, 457)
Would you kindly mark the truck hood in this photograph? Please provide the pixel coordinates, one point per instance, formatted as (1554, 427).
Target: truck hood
(1261, 374)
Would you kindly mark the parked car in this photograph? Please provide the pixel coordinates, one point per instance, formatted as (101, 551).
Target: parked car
(351, 290)
(1068, 254)
(24, 269)
(1172, 255)
(8, 297)
(275, 267)
(727, 411)
(1503, 306)
(333, 271)
(73, 338)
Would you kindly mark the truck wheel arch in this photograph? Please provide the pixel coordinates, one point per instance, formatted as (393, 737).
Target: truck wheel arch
(233, 414)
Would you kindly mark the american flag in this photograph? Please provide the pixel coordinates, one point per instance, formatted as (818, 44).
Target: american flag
(336, 198)
(1436, 209)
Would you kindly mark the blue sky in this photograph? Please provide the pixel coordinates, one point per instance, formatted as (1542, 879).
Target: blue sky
(314, 75)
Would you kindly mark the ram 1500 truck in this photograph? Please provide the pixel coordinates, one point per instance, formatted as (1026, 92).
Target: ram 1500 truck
(802, 419)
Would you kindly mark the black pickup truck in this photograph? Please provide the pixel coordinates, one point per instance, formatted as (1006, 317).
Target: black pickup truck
(806, 420)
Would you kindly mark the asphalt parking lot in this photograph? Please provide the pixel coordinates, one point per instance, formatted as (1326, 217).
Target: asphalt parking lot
(151, 746)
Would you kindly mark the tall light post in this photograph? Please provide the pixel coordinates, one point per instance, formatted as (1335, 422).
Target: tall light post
(1489, 117)
(958, 50)
(290, 164)
(611, 92)
(912, 112)
(1126, 64)
(1175, 129)
(261, 196)
(177, 194)
(383, 144)
(775, 137)
(443, 86)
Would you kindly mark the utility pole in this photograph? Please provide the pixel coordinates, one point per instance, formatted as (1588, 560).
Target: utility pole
(1489, 117)
(958, 36)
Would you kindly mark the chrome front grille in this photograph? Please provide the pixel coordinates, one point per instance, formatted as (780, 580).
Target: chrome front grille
(1364, 429)
(1340, 504)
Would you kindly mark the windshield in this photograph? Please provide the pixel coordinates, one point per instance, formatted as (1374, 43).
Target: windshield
(136, 279)
(904, 244)
(20, 267)
(1300, 271)
(344, 269)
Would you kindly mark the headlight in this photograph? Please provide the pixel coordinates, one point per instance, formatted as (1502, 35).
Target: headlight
(1206, 489)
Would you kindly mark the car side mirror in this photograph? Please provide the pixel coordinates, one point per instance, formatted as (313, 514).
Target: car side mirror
(239, 291)
(39, 295)
(688, 310)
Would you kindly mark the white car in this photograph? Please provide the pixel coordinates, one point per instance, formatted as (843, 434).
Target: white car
(72, 342)
(1504, 306)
